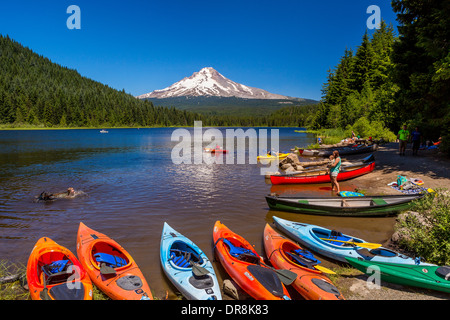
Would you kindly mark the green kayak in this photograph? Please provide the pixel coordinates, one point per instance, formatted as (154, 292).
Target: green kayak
(429, 277)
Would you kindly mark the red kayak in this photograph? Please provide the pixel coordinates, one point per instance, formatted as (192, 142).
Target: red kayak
(323, 177)
(217, 150)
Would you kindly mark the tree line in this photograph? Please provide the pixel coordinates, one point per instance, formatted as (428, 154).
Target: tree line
(36, 92)
(391, 80)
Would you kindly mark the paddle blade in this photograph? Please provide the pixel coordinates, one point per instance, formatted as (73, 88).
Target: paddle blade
(199, 271)
(44, 295)
(107, 271)
(324, 270)
(285, 276)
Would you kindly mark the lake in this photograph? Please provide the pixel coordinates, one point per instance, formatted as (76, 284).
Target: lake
(131, 187)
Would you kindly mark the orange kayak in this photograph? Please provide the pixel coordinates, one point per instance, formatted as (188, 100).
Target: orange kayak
(54, 273)
(244, 266)
(311, 283)
(111, 267)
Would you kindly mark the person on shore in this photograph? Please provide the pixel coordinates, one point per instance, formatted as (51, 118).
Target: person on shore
(416, 138)
(402, 136)
(334, 171)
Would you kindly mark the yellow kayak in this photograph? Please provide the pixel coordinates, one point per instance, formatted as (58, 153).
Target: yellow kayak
(278, 156)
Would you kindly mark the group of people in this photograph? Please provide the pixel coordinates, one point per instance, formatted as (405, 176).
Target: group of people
(404, 136)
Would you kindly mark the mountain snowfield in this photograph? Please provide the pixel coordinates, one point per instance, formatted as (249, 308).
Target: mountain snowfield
(209, 82)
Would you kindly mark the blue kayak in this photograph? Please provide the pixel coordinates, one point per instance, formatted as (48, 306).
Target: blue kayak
(311, 236)
(187, 267)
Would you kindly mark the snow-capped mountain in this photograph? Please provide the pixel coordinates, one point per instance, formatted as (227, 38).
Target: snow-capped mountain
(209, 82)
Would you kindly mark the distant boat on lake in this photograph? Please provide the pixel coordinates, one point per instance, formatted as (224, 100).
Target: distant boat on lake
(103, 131)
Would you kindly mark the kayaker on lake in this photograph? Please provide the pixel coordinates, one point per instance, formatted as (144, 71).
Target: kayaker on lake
(334, 171)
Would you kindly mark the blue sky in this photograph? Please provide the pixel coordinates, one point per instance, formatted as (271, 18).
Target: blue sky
(285, 47)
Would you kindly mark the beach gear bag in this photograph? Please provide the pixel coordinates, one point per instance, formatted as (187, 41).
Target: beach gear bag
(401, 180)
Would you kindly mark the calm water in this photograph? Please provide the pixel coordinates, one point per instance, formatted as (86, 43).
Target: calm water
(132, 187)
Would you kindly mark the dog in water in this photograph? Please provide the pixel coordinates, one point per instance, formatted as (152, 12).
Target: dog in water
(70, 193)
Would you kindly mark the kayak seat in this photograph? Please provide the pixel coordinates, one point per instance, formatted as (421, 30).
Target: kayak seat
(304, 258)
(241, 253)
(110, 260)
(336, 235)
(180, 258)
(55, 267)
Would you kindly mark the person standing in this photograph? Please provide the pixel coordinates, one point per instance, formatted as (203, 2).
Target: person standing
(334, 171)
(416, 138)
(403, 136)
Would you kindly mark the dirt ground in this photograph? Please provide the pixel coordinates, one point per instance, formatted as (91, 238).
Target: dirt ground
(431, 167)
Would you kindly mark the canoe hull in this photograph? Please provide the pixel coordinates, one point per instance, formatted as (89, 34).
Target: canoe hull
(325, 152)
(343, 206)
(321, 178)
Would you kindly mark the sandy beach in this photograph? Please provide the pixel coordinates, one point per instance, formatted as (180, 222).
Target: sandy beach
(431, 167)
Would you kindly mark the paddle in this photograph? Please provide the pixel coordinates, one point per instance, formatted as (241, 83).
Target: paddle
(199, 271)
(44, 293)
(285, 276)
(358, 244)
(106, 270)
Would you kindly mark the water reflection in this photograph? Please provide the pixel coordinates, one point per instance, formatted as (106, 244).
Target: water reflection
(132, 188)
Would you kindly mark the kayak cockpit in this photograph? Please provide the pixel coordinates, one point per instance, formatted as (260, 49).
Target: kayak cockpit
(327, 236)
(103, 253)
(184, 256)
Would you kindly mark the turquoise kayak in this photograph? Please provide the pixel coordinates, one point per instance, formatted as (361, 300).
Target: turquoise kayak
(187, 267)
(312, 236)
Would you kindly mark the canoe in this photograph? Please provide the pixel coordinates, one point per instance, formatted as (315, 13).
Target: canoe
(110, 267)
(320, 167)
(429, 277)
(187, 267)
(311, 236)
(355, 206)
(349, 150)
(54, 273)
(244, 266)
(321, 176)
(311, 283)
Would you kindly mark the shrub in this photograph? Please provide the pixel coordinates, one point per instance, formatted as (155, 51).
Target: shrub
(429, 231)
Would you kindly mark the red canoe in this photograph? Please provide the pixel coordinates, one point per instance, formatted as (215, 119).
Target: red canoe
(322, 178)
